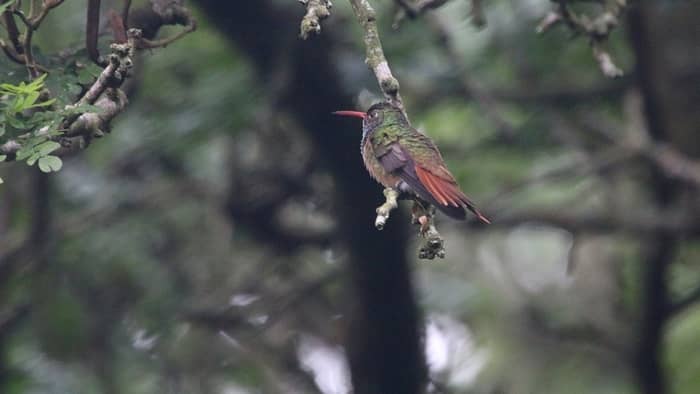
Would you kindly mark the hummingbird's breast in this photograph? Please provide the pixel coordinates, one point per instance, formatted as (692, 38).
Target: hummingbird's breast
(375, 168)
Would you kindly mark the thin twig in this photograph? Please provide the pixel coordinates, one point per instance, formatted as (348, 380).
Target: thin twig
(597, 29)
(92, 27)
(125, 13)
(177, 15)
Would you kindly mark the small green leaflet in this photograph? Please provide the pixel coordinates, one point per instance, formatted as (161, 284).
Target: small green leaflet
(50, 163)
(3, 8)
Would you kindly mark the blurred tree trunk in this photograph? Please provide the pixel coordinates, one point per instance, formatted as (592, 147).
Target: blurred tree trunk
(664, 39)
(383, 344)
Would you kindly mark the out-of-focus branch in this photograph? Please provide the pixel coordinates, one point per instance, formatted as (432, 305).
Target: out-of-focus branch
(125, 13)
(668, 159)
(637, 225)
(173, 14)
(490, 107)
(31, 24)
(316, 11)
(12, 30)
(684, 303)
(92, 27)
(412, 9)
(597, 29)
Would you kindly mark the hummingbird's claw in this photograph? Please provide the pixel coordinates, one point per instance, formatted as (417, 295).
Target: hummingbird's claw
(433, 245)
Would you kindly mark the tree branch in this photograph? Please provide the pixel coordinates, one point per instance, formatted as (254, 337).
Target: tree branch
(105, 93)
(92, 27)
(597, 29)
(316, 11)
(375, 54)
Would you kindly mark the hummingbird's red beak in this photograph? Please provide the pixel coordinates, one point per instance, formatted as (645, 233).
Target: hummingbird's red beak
(356, 114)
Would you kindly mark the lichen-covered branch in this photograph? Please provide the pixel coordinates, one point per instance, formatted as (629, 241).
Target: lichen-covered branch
(105, 93)
(316, 11)
(375, 54)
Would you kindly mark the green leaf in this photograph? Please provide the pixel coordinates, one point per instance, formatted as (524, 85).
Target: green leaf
(3, 157)
(50, 163)
(16, 123)
(24, 152)
(47, 147)
(29, 100)
(5, 6)
(33, 158)
(43, 104)
(37, 84)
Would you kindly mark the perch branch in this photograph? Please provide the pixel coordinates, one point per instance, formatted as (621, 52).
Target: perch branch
(316, 11)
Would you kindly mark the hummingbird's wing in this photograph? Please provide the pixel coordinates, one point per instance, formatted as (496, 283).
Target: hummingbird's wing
(428, 178)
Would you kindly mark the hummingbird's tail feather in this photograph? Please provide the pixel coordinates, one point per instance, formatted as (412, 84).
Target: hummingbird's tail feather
(447, 194)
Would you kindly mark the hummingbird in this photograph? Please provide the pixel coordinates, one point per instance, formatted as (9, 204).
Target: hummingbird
(400, 157)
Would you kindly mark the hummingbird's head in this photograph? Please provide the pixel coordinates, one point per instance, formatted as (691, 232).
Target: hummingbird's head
(382, 113)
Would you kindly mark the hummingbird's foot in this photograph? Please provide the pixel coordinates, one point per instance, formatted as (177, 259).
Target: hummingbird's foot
(433, 246)
(391, 197)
